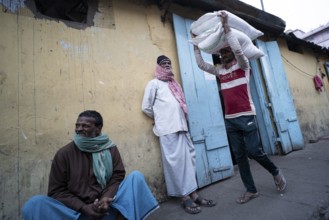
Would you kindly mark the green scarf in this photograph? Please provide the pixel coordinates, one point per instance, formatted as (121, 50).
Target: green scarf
(102, 159)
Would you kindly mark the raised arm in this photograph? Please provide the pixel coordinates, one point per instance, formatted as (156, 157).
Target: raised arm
(201, 63)
(234, 43)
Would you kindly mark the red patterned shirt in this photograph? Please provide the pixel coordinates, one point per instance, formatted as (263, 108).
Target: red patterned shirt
(234, 81)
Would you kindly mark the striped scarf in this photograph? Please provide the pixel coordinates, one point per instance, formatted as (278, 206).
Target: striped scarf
(102, 159)
(168, 76)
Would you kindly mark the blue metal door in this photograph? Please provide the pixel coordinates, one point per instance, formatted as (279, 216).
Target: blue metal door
(263, 109)
(206, 122)
(281, 101)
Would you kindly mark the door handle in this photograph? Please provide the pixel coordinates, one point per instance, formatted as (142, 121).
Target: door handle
(197, 139)
(220, 169)
(291, 119)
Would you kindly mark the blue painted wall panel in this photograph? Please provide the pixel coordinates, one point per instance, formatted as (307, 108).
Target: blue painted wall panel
(281, 99)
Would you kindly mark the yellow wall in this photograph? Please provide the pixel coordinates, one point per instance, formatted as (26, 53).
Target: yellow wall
(49, 73)
(312, 107)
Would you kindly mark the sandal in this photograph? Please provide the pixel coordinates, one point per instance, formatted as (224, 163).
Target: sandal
(204, 202)
(247, 197)
(280, 182)
(190, 207)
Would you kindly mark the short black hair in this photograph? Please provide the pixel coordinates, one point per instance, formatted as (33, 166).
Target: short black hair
(94, 114)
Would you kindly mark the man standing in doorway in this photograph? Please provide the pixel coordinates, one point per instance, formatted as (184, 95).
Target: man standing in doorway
(240, 114)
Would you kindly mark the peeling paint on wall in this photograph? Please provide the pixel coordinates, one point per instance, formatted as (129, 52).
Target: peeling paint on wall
(75, 49)
(13, 5)
(100, 13)
(50, 72)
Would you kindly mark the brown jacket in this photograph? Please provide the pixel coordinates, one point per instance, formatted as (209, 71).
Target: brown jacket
(72, 180)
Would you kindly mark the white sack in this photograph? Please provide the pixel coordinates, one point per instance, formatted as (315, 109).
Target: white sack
(209, 21)
(215, 41)
(211, 33)
(210, 38)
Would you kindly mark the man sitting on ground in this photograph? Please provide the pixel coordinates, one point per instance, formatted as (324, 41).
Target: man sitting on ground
(87, 180)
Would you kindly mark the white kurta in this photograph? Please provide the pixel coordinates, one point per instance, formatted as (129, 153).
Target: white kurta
(159, 103)
(177, 149)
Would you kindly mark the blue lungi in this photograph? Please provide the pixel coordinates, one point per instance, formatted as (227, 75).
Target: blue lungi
(133, 200)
